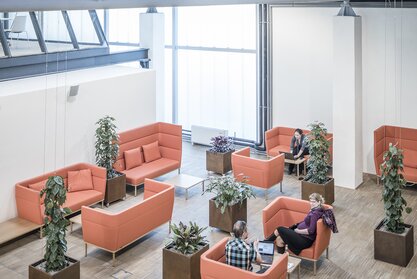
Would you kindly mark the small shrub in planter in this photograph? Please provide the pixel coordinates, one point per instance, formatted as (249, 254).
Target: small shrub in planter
(55, 263)
(229, 205)
(393, 240)
(316, 180)
(107, 149)
(181, 255)
(219, 156)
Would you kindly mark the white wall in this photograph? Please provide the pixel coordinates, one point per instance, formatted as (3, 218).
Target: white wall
(302, 69)
(43, 130)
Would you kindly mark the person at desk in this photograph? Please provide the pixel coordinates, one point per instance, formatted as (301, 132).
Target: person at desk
(302, 235)
(239, 251)
(298, 147)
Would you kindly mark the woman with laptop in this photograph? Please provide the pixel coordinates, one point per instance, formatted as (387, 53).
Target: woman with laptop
(298, 147)
(302, 235)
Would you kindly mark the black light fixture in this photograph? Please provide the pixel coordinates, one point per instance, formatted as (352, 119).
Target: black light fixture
(144, 63)
(346, 9)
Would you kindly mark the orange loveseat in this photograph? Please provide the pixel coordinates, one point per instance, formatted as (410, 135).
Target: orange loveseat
(114, 231)
(169, 138)
(213, 266)
(285, 211)
(406, 139)
(259, 173)
(278, 139)
(31, 207)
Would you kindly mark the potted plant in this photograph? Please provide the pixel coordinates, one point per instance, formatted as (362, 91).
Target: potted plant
(55, 264)
(393, 240)
(219, 156)
(229, 205)
(316, 180)
(181, 255)
(107, 149)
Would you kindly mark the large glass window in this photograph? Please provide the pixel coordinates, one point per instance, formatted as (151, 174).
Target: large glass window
(217, 68)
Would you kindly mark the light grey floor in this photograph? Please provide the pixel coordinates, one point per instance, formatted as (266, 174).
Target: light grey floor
(351, 250)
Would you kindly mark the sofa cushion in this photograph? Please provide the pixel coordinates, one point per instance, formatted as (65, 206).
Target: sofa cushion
(151, 152)
(80, 180)
(133, 158)
(410, 158)
(153, 169)
(77, 199)
(38, 186)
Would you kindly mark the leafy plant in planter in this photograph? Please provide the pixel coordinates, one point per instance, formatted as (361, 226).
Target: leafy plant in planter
(229, 205)
(56, 226)
(107, 149)
(107, 145)
(219, 156)
(187, 239)
(316, 180)
(221, 144)
(181, 255)
(394, 205)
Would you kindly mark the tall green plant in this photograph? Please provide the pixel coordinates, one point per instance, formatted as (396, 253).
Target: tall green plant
(107, 145)
(56, 224)
(228, 191)
(187, 239)
(319, 154)
(393, 180)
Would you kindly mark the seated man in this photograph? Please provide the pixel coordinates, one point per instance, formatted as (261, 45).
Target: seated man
(239, 251)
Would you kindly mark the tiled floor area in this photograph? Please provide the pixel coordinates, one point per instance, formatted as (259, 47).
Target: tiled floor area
(351, 250)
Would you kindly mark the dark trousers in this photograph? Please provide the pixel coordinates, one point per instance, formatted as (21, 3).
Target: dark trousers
(296, 242)
(295, 152)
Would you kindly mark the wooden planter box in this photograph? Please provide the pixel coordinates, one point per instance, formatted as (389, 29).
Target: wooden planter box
(70, 272)
(232, 214)
(219, 162)
(177, 265)
(326, 190)
(394, 248)
(115, 189)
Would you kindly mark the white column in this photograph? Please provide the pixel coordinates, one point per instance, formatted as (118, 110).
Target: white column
(347, 101)
(152, 36)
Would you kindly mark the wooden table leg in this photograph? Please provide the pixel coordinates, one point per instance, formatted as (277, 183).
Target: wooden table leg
(298, 170)
(186, 194)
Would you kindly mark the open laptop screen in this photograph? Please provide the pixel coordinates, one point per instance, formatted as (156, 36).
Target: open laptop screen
(266, 247)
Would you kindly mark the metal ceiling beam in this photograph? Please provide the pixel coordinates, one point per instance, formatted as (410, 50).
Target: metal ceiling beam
(57, 5)
(51, 63)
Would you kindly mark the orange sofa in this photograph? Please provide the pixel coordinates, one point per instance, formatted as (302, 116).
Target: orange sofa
(31, 207)
(406, 139)
(259, 173)
(285, 211)
(169, 138)
(278, 139)
(114, 231)
(213, 266)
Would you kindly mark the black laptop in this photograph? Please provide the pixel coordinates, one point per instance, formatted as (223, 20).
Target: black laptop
(266, 249)
(288, 155)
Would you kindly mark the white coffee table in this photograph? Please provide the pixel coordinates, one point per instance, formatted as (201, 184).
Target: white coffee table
(75, 220)
(186, 182)
(297, 163)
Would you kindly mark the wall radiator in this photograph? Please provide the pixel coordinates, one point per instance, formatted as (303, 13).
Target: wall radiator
(202, 135)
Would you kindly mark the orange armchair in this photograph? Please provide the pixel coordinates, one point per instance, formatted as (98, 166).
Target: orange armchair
(259, 173)
(285, 211)
(213, 266)
(113, 231)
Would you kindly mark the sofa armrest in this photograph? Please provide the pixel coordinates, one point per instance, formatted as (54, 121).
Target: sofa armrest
(271, 138)
(100, 228)
(153, 187)
(28, 203)
(322, 240)
(99, 176)
(245, 152)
